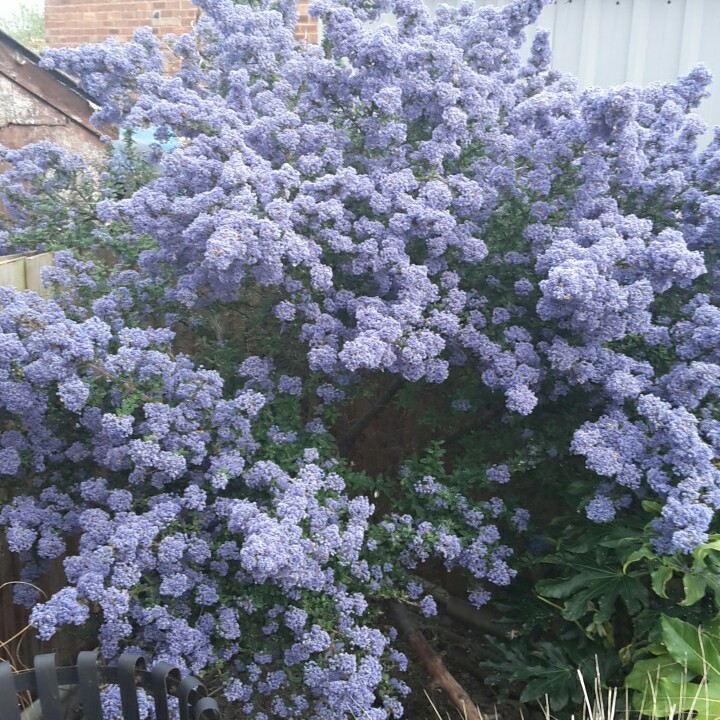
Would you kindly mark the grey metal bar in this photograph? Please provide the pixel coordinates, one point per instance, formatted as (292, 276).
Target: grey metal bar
(130, 674)
(47, 686)
(9, 709)
(160, 674)
(188, 691)
(89, 685)
(127, 682)
(206, 708)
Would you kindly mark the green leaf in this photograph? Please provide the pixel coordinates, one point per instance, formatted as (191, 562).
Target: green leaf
(555, 682)
(644, 553)
(695, 587)
(703, 551)
(659, 579)
(649, 672)
(668, 699)
(596, 588)
(707, 705)
(692, 647)
(560, 588)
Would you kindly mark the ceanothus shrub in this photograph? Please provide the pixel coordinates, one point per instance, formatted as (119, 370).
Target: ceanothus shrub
(420, 201)
(410, 203)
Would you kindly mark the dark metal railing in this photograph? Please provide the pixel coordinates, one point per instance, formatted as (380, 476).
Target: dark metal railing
(46, 680)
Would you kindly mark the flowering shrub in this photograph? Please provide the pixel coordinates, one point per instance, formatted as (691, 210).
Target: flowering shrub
(407, 215)
(176, 508)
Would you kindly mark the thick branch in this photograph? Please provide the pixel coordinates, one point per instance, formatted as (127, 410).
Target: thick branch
(464, 611)
(434, 665)
(348, 439)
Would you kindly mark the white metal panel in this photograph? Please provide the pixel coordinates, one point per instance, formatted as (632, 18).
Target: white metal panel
(611, 42)
(639, 39)
(613, 34)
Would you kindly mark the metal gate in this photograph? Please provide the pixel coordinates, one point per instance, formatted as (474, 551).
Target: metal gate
(49, 683)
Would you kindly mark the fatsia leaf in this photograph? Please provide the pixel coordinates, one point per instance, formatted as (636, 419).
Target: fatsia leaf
(555, 682)
(560, 588)
(598, 588)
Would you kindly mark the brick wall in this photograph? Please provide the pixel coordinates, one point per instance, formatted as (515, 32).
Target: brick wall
(307, 27)
(72, 22)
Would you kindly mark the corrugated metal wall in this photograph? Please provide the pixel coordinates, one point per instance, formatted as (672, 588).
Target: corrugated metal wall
(611, 42)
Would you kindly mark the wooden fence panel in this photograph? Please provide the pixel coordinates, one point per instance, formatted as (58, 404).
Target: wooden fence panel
(18, 645)
(23, 271)
(12, 273)
(33, 265)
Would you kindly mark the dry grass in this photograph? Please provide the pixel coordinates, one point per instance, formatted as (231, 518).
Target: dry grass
(438, 715)
(600, 703)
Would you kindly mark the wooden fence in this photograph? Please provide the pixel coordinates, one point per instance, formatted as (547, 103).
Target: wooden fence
(23, 271)
(18, 642)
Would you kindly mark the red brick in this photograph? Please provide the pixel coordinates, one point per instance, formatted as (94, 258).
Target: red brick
(77, 21)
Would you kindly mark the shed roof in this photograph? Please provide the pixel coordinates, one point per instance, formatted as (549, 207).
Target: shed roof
(22, 66)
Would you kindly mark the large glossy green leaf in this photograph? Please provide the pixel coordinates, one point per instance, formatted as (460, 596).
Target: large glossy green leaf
(648, 673)
(668, 699)
(696, 648)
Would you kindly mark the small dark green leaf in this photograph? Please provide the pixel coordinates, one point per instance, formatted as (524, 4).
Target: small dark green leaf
(695, 587)
(659, 579)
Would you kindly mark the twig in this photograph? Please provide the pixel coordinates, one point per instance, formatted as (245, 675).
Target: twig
(439, 674)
